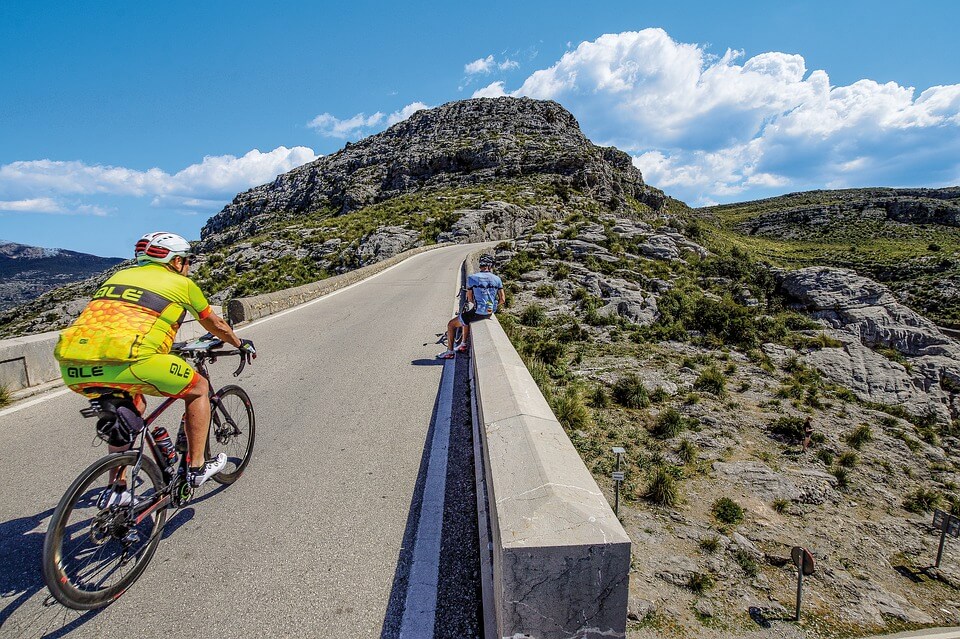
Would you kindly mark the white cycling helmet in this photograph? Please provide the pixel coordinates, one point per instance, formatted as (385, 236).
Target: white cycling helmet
(161, 247)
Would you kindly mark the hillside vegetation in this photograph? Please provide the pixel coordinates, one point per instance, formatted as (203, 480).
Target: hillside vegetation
(909, 239)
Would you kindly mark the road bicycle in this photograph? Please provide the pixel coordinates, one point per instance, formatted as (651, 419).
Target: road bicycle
(93, 552)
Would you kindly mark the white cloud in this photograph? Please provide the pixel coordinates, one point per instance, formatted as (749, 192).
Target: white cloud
(405, 112)
(51, 205)
(492, 90)
(480, 65)
(32, 205)
(44, 185)
(361, 125)
(332, 127)
(508, 65)
(708, 126)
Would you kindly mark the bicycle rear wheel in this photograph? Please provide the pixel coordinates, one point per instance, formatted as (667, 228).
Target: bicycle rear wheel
(232, 431)
(92, 554)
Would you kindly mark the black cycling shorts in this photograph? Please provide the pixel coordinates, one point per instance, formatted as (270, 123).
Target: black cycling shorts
(468, 317)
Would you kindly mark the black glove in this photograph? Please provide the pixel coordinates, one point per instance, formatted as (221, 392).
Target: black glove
(248, 349)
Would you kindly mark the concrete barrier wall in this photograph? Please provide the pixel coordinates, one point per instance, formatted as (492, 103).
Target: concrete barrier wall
(28, 361)
(561, 559)
(245, 309)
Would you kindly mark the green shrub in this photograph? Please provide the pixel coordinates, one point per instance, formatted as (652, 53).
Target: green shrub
(659, 395)
(522, 262)
(700, 582)
(560, 271)
(4, 396)
(546, 290)
(541, 375)
(826, 456)
(792, 428)
(780, 505)
(711, 380)
(573, 332)
(747, 562)
(630, 392)
(859, 436)
(848, 459)
(550, 351)
(922, 500)
(687, 451)
(669, 424)
(533, 315)
(727, 511)
(710, 545)
(598, 397)
(727, 321)
(662, 488)
(842, 475)
(570, 409)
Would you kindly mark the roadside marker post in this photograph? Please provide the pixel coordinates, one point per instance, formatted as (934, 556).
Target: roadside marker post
(947, 524)
(803, 560)
(617, 479)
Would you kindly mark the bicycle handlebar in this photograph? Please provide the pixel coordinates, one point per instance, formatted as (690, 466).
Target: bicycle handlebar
(206, 347)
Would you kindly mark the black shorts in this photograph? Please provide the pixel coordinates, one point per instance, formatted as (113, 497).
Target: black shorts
(468, 317)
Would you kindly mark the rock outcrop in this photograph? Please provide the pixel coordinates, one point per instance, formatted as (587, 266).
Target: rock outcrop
(465, 143)
(865, 316)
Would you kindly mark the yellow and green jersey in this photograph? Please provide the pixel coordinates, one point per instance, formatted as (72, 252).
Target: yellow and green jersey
(133, 315)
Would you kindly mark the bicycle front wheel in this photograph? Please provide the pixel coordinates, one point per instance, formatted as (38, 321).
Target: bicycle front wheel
(93, 551)
(232, 431)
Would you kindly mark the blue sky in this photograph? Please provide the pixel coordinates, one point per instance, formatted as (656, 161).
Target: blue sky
(117, 118)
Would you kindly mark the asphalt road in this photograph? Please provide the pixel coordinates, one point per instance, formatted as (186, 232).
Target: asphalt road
(310, 541)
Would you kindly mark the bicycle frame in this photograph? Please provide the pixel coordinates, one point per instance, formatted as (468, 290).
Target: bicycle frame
(164, 498)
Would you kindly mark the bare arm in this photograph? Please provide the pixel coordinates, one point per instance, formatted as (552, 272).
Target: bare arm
(219, 327)
(470, 295)
(501, 298)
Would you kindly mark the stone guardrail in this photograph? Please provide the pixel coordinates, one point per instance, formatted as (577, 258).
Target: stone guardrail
(245, 309)
(28, 361)
(561, 559)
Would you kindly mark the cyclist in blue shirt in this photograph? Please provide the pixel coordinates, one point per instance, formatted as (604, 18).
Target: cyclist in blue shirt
(485, 292)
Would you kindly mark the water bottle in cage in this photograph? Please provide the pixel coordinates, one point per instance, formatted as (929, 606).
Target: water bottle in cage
(162, 438)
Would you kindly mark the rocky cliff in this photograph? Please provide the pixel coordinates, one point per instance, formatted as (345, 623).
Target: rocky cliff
(460, 144)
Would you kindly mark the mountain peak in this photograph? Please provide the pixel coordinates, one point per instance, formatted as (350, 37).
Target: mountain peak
(458, 144)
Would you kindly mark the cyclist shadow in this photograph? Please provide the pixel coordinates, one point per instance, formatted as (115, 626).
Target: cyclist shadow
(184, 515)
(21, 546)
(21, 549)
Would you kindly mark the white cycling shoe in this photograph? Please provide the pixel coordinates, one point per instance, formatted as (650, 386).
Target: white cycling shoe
(210, 468)
(113, 497)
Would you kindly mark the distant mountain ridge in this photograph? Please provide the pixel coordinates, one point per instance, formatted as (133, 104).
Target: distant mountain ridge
(26, 272)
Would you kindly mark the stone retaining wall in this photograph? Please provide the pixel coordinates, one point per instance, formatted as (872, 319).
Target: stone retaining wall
(561, 559)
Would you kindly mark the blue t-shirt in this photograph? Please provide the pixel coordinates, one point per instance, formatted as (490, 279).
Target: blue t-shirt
(485, 286)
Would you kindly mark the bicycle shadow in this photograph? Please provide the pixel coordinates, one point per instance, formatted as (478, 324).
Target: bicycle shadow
(21, 546)
(21, 549)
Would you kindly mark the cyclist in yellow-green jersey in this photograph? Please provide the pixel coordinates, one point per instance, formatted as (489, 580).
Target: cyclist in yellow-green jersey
(122, 339)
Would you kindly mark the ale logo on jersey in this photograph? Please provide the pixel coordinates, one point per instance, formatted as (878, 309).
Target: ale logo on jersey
(113, 292)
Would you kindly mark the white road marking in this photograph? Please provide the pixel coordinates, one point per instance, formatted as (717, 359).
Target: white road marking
(420, 606)
(52, 394)
(33, 402)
